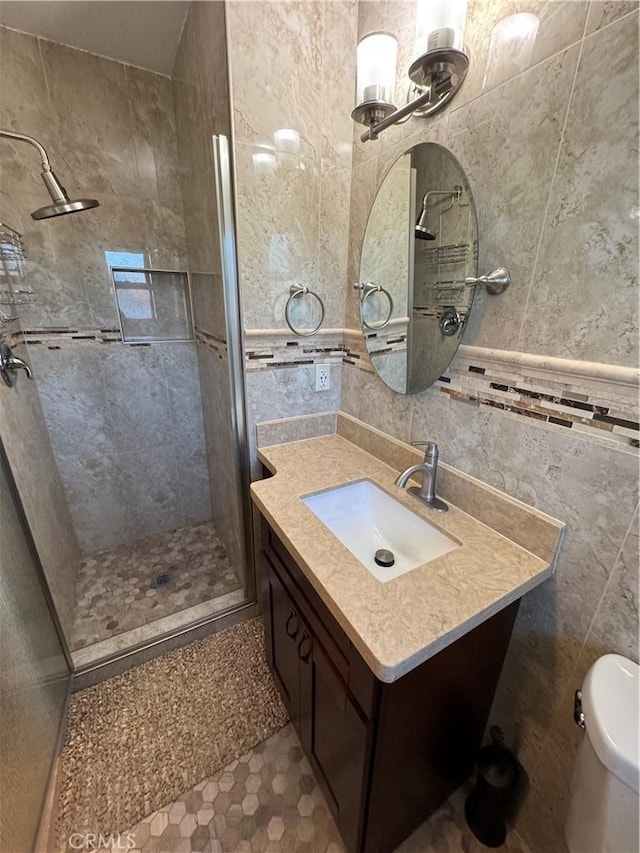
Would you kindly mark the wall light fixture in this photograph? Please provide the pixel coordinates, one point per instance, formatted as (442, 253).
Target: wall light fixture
(436, 73)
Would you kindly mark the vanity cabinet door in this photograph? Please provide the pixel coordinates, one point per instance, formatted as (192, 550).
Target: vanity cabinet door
(284, 624)
(335, 738)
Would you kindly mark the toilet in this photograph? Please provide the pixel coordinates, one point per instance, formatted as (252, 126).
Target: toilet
(603, 808)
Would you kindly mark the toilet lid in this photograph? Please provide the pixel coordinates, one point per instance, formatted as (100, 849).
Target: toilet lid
(610, 705)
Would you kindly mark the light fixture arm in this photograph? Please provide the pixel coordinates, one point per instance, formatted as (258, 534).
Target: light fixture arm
(403, 112)
(53, 185)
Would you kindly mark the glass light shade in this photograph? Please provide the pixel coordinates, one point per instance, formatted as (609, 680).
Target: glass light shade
(440, 24)
(376, 60)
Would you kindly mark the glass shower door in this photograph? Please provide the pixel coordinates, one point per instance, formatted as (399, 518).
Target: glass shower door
(34, 678)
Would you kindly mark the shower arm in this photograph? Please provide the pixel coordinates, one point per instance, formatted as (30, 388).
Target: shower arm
(56, 190)
(455, 193)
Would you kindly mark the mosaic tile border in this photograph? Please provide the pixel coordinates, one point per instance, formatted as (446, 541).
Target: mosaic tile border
(590, 406)
(55, 337)
(215, 343)
(566, 396)
(11, 333)
(268, 350)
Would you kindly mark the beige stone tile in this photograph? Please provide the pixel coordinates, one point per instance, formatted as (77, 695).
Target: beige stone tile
(363, 190)
(24, 104)
(499, 147)
(338, 68)
(506, 37)
(383, 408)
(604, 12)
(277, 244)
(333, 228)
(595, 188)
(295, 429)
(615, 625)
(93, 122)
(274, 99)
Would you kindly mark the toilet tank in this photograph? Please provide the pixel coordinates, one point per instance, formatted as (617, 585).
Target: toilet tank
(603, 808)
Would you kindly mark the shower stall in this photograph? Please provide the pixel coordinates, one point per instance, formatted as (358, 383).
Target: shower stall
(127, 445)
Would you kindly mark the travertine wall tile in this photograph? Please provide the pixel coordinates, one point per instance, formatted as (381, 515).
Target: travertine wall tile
(585, 302)
(293, 139)
(33, 465)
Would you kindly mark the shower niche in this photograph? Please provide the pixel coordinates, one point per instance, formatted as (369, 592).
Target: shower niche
(153, 305)
(418, 268)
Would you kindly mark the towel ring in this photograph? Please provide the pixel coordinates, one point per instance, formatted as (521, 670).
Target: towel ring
(295, 291)
(368, 289)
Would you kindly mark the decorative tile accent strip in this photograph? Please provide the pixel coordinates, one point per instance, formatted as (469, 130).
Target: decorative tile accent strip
(595, 400)
(594, 414)
(271, 349)
(216, 343)
(11, 334)
(55, 337)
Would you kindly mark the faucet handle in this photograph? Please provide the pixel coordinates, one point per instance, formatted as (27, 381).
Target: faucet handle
(431, 449)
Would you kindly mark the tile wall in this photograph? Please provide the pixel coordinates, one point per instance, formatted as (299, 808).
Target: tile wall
(28, 448)
(291, 84)
(552, 164)
(125, 421)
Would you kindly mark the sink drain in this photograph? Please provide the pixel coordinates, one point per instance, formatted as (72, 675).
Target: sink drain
(384, 558)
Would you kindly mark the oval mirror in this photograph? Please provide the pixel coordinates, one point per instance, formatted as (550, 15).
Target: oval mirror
(420, 244)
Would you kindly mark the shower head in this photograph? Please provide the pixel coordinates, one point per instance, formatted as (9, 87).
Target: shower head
(421, 230)
(65, 207)
(62, 204)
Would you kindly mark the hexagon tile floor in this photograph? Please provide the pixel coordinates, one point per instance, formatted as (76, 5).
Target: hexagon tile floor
(268, 801)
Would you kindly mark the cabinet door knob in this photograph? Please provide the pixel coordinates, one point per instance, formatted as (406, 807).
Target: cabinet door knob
(304, 647)
(293, 625)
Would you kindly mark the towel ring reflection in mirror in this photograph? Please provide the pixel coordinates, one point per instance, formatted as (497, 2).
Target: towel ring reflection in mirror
(300, 290)
(367, 289)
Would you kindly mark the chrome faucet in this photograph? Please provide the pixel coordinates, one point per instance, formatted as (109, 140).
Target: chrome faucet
(428, 469)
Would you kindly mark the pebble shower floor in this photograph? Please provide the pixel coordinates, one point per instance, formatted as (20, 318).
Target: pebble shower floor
(131, 585)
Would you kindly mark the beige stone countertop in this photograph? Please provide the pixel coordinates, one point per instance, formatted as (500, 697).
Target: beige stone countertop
(399, 624)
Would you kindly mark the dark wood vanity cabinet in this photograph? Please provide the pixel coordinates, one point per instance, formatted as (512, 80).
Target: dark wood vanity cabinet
(385, 755)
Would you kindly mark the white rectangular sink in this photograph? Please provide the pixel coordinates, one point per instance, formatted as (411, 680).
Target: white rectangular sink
(366, 519)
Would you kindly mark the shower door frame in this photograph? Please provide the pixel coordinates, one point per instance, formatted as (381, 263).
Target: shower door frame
(226, 205)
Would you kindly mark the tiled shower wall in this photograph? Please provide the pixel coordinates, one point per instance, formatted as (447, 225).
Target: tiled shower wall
(289, 63)
(552, 163)
(28, 448)
(201, 98)
(125, 422)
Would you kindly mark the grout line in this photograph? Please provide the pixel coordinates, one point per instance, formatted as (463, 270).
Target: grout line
(552, 184)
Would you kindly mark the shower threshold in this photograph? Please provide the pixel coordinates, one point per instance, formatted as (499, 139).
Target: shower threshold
(105, 650)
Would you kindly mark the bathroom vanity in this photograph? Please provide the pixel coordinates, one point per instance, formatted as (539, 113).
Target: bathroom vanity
(389, 685)
(385, 755)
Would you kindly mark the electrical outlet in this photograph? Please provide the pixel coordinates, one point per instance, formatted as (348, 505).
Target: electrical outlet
(323, 377)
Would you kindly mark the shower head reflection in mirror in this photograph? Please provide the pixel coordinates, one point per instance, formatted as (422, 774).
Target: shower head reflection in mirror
(420, 245)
